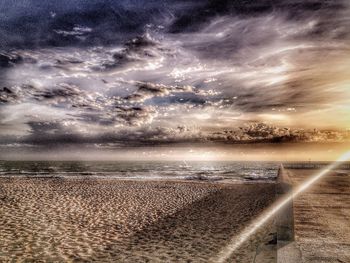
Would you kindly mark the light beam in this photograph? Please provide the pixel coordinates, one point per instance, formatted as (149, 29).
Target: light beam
(251, 229)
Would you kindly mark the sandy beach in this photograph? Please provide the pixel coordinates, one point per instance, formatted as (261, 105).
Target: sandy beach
(94, 220)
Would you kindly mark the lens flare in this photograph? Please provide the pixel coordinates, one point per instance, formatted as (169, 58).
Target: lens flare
(251, 229)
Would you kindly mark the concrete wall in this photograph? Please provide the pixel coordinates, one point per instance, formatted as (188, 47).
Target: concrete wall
(285, 217)
(287, 249)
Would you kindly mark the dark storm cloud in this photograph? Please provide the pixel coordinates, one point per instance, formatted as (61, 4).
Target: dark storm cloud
(147, 90)
(50, 23)
(91, 108)
(61, 94)
(155, 72)
(8, 60)
(49, 133)
(101, 109)
(7, 95)
(296, 9)
(45, 135)
(138, 49)
(162, 94)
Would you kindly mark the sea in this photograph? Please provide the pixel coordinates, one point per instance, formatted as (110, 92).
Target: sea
(139, 170)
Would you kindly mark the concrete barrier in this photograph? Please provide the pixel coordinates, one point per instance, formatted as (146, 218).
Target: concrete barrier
(285, 217)
(287, 249)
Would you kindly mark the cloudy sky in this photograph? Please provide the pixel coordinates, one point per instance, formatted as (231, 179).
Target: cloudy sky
(137, 74)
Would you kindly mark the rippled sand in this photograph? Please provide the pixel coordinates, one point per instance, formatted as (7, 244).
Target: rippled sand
(57, 219)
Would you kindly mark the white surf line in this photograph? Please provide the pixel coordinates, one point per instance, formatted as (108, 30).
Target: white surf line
(248, 231)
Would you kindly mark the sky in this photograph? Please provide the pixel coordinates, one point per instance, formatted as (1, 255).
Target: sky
(165, 79)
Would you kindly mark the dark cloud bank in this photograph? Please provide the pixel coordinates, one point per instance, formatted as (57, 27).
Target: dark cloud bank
(136, 73)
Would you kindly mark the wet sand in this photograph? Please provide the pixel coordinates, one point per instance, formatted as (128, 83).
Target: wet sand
(322, 217)
(90, 220)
